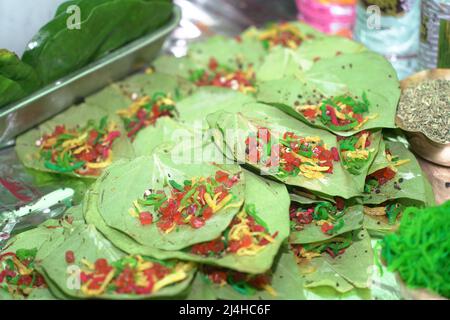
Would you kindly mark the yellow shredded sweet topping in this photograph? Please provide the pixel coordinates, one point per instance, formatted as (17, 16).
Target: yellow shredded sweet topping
(241, 230)
(375, 211)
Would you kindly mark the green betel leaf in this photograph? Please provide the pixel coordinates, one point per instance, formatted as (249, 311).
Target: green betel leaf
(272, 36)
(327, 47)
(151, 15)
(153, 83)
(142, 100)
(17, 79)
(341, 221)
(380, 161)
(87, 246)
(233, 129)
(12, 68)
(173, 66)
(35, 239)
(285, 281)
(343, 79)
(356, 157)
(28, 247)
(279, 64)
(127, 181)
(119, 95)
(34, 53)
(63, 7)
(83, 117)
(298, 196)
(183, 142)
(165, 132)
(346, 271)
(409, 181)
(283, 62)
(229, 52)
(270, 202)
(229, 69)
(383, 218)
(193, 110)
(10, 91)
(97, 35)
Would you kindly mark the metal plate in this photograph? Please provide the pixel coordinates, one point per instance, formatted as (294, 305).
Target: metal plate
(52, 99)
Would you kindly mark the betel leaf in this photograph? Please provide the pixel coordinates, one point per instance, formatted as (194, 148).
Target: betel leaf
(35, 239)
(300, 196)
(185, 143)
(47, 182)
(327, 47)
(193, 110)
(17, 79)
(120, 95)
(40, 242)
(165, 132)
(171, 65)
(358, 75)
(145, 18)
(10, 91)
(229, 52)
(380, 161)
(153, 83)
(126, 181)
(352, 220)
(87, 244)
(408, 183)
(76, 116)
(62, 8)
(57, 50)
(361, 166)
(232, 129)
(12, 68)
(286, 282)
(218, 61)
(380, 224)
(351, 269)
(282, 62)
(270, 200)
(307, 33)
(35, 47)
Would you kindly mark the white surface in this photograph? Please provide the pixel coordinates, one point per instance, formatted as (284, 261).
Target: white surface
(21, 19)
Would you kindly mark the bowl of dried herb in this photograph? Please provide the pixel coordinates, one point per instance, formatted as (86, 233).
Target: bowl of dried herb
(423, 113)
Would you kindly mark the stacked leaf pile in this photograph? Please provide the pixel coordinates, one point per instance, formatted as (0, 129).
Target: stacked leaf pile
(75, 38)
(253, 168)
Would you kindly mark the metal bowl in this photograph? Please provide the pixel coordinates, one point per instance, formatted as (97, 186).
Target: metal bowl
(422, 145)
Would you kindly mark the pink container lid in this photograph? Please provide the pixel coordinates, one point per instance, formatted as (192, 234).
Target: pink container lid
(327, 17)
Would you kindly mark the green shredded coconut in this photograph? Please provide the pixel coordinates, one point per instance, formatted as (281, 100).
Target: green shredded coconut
(419, 250)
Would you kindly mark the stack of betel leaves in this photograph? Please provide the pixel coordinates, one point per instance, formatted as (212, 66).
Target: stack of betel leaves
(82, 31)
(253, 168)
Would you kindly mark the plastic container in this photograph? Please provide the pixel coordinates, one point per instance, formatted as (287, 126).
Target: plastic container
(392, 31)
(435, 35)
(328, 16)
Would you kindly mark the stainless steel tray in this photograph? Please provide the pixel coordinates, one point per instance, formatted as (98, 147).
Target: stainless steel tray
(52, 99)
